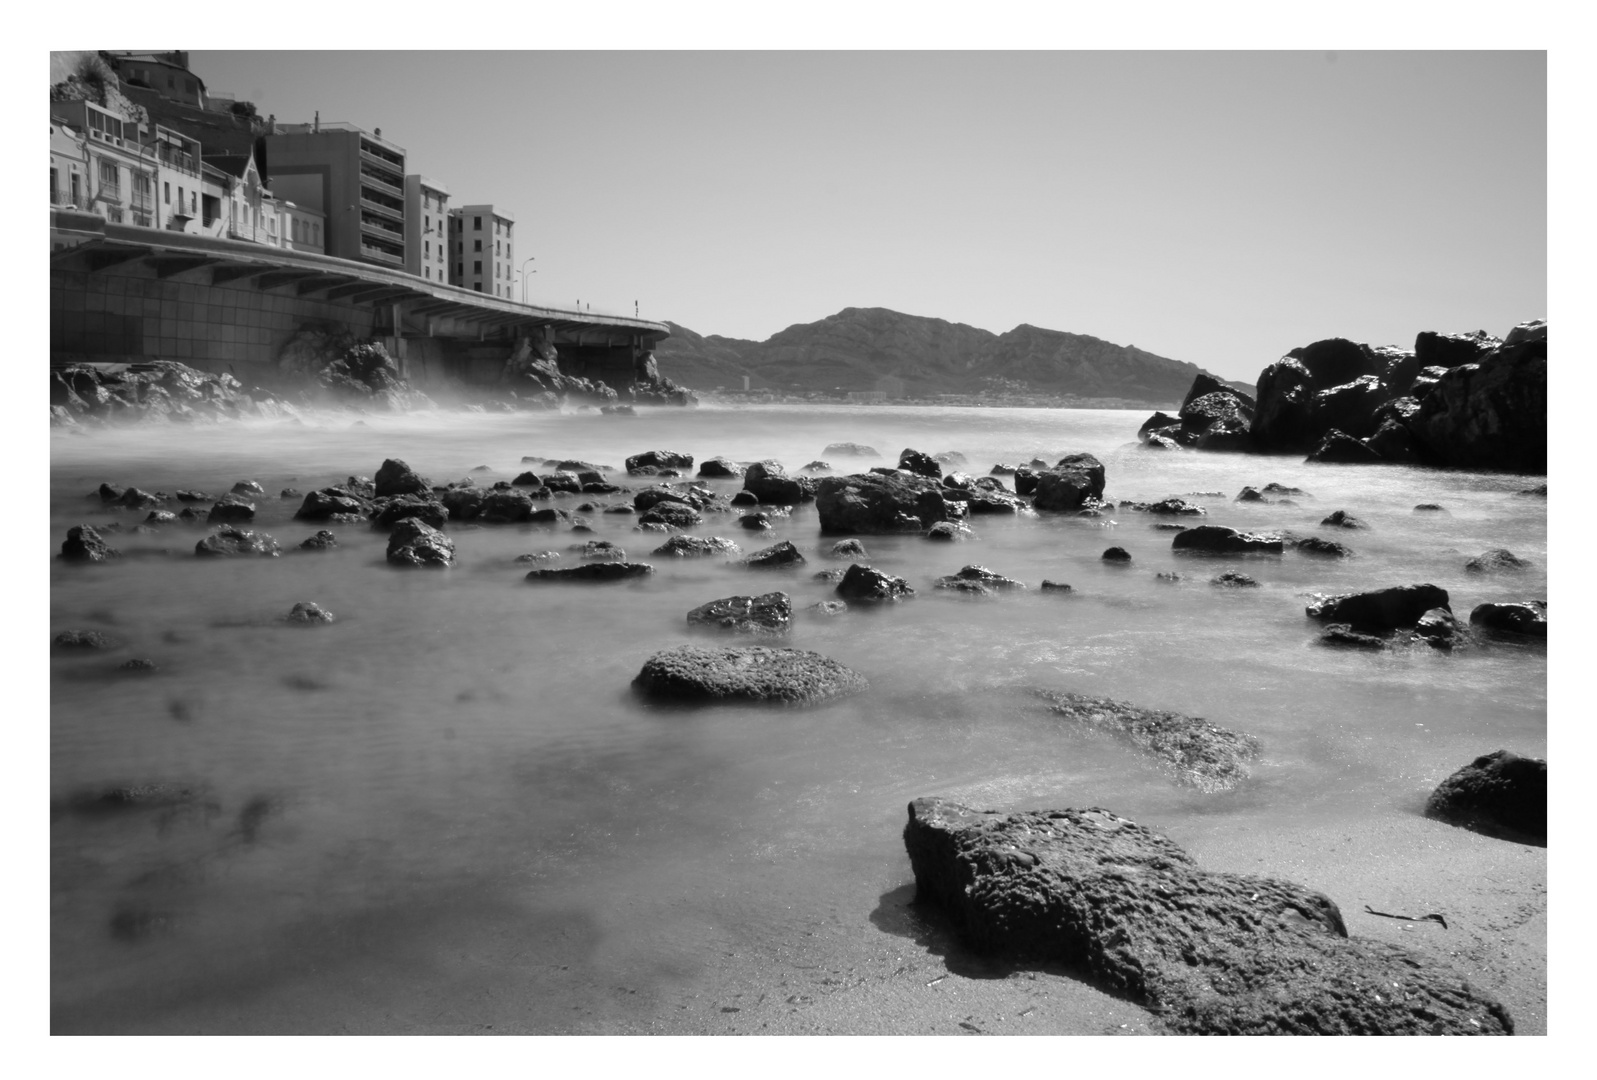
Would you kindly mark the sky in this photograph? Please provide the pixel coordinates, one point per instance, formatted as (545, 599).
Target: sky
(1214, 207)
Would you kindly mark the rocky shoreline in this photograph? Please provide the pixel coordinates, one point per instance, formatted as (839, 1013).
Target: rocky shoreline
(1083, 887)
(1468, 401)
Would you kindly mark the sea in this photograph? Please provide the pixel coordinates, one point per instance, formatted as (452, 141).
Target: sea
(446, 811)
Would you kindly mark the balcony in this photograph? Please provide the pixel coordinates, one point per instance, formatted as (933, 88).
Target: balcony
(380, 208)
(177, 159)
(381, 229)
(378, 255)
(377, 182)
(383, 163)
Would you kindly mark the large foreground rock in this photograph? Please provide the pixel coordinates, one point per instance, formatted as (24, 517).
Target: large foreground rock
(1381, 609)
(1069, 484)
(1528, 618)
(1205, 755)
(876, 503)
(689, 674)
(84, 544)
(1499, 793)
(1213, 953)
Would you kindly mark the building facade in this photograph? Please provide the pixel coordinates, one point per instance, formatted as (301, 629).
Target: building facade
(426, 228)
(166, 73)
(354, 178)
(119, 172)
(481, 249)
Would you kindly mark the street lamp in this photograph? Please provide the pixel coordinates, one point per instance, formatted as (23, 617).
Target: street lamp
(524, 262)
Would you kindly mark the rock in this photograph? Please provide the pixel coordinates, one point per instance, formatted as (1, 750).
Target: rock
(397, 478)
(1116, 554)
(185, 495)
(979, 576)
(191, 515)
(1074, 480)
(1495, 561)
(1149, 429)
(1382, 609)
(1174, 506)
(501, 508)
(868, 503)
(1393, 443)
(828, 607)
(538, 557)
(745, 498)
(1528, 618)
(324, 540)
(1539, 491)
(1500, 793)
(1492, 413)
(682, 546)
(231, 508)
(290, 493)
(1341, 449)
(307, 614)
(1344, 520)
(1168, 576)
(771, 613)
(1055, 586)
(1341, 634)
(415, 543)
(248, 488)
(550, 516)
(1160, 442)
(658, 459)
(1350, 407)
(619, 508)
(774, 557)
(829, 577)
(527, 479)
(230, 540)
(771, 485)
(1219, 540)
(139, 664)
(333, 502)
(1430, 508)
(1197, 752)
(921, 464)
(720, 466)
(599, 551)
(160, 517)
(1281, 420)
(848, 449)
(755, 522)
(561, 481)
(817, 467)
(593, 571)
(1225, 404)
(1313, 545)
(848, 549)
(1233, 580)
(1432, 349)
(571, 465)
(689, 674)
(865, 583)
(84, 544)
(135, 499)
(1273, 488)
(1205, 384)
(1026, 480)
(1441, 629)
(388, 512)
(948, 531)
(1212, 953)
(75, 640)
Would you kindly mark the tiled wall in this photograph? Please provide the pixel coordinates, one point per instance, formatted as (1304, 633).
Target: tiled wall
(127, 313)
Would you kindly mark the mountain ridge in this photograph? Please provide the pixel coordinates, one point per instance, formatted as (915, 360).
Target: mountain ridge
(856, 349)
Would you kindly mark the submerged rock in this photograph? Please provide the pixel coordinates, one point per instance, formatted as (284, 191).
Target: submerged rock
(73, 640)
(1205, 755)
(1055, 586)
(658, 459)
(1500, 793)
(84, 544)
(984, 579)
(848, 449)
(771, 613)
(1233, 580)
(231, 508)
(1219, 540)
(593, 571)
(689, 674)
(230, 540)
(1116, 555)
(867, 503)
(600, 551)
(1528, 619)
(324, 540)
(1344, 520)
(415, 543)
(671, 513)
(948, 531)
(848, 549)
(1383, 609)
(864, 583)
(1313, 545)
(306, 613)
(1343, 635)
(1495, 561)
(1441, 629)
(1212, 953)
(774, 557)
(683, 546)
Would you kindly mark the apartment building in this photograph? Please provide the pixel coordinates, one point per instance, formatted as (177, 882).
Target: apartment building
(426, 228)
(118, 173)
(481, 249)
(354, 178)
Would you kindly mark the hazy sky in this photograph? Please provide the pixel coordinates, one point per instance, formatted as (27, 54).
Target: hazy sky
(1219, 208)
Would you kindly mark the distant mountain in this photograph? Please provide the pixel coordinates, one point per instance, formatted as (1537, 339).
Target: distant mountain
(857, 347)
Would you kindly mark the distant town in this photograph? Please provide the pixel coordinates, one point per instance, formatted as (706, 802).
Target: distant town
(138, 139)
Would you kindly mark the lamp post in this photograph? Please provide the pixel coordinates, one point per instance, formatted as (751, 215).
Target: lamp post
(524, 262)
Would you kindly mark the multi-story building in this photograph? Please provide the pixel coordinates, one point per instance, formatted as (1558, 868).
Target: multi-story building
(355, 178)
(300, 227)
(480, 249)
(69, 165)
(179, 177)
(166, 73)
(119, 170)
(426, 232)
(251, 211)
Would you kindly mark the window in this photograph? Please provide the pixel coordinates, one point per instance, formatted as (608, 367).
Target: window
(180, 198)
(168, 186)
(496, 247)
(477, 285)
(476, 245)
(109, 183)
(113, 213)
(189, 83)
(141, 192)
(508, 226)
(477, 225)
(77, 192)
(427, 272)
(294, 229)
(460, 270)
(427, 223)
(193, 200)
(171, 83)
(426, 249)
(55, 186)
(476, 267)
(507, 251)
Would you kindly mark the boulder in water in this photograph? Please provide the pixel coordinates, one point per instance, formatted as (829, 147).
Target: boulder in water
(231, 508)
(920, 463)
(689, 674)
(1396, 608)
(324, 540)
(773, 557)
(1497, 560)
(84, 544)
(869, 503)
(1069, 484)
(658, 459)
(230, 540)
(415, 543)
(720, 467)
(864, 583)
(683, 546)
(394, 477)
(593, 571)
(1220, 540)
(771, 613)
(848, 449)
(1500, 793)
(1527, 619)
(1344, 520)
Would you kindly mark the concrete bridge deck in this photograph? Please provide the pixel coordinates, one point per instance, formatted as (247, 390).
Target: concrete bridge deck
(121, 291)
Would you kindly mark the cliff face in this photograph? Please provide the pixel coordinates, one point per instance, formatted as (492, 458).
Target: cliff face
(854, 348)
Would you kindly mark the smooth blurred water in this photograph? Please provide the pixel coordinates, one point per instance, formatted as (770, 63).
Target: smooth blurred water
(448, 798)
